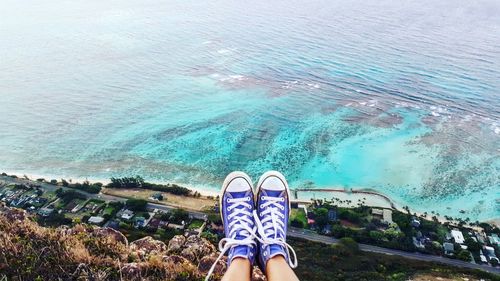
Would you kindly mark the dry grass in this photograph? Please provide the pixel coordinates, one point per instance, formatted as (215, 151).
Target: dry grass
(31, 252)
(185, 202)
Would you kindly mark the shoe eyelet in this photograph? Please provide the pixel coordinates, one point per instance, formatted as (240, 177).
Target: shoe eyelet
(261, 206)
(227, 200)
(262, 198)
(265, 254)
(248, 199)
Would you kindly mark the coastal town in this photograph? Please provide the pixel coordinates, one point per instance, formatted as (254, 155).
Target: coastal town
(61, 202)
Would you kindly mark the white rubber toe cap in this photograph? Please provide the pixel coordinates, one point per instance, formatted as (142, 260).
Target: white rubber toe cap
(238, 185)
(273, 180)
(237, 182)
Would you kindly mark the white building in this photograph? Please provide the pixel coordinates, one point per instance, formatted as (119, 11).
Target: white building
(127, 214)
(458, 236)
(96, 220)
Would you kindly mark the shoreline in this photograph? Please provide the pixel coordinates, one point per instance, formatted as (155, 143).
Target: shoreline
(372, 198)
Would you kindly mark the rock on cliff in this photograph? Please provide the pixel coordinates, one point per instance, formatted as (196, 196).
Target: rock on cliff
(31, 252)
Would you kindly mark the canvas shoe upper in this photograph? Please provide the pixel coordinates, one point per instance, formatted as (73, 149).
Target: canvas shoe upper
(273, 207)
(237, 208)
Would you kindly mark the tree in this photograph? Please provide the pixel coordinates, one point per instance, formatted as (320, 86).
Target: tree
(321, 217)
(472, 245)
(377, 235)
(464, 255)
(137, 205)
(297, 223)
(213, 217)
(68, 195)
(349, 215)
(178, 216)
(350, 244)
(338, 230)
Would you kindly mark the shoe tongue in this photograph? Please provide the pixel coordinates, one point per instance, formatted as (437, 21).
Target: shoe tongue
(239, 194)
(273, 193)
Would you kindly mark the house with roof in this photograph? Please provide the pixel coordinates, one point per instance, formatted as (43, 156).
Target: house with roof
(482, 257)
(480, 238)
(418, 243)
(154, 223)
(332, 214)
(311, 218)
(114, 224)
(415, 222)
(139, 222)
(45, 212)
(457, 236)
(127, 214)
(494, 239)
(384, 215)
(96, 220)
(449, 249)
(490, 253)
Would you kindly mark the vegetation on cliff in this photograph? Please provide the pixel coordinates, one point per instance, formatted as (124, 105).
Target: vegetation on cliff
(31, 252)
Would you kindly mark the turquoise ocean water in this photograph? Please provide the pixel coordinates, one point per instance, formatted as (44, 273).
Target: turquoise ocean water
(402, 97)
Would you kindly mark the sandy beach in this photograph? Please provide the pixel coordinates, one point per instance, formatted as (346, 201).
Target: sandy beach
(342, 197)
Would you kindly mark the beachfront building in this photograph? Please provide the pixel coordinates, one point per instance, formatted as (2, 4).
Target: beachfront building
(332, 215)
(415, 222)
(457, 236)
(384, 215)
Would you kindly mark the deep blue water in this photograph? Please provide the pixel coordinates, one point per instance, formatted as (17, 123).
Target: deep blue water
(398, 96)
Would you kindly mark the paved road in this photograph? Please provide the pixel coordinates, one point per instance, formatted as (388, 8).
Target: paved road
(100, 196)
(292, 232)
(312, 236)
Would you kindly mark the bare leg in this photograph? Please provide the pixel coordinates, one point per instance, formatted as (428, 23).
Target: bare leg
(239, 270)
(277, 269)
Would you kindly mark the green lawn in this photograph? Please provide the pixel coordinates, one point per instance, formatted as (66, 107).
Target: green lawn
(108, 211)
(195, 224)
(299, 215)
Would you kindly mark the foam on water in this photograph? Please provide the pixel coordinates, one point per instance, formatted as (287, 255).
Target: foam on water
(386, 96)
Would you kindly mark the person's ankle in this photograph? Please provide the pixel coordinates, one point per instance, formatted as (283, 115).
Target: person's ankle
(277, 259)
(241, 261)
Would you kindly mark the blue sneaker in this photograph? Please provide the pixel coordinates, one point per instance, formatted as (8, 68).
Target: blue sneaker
(273, 210)
(237, 211)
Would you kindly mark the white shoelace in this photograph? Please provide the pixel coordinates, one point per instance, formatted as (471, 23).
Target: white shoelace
(267, 228)
(271, 225)
(242, 224)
